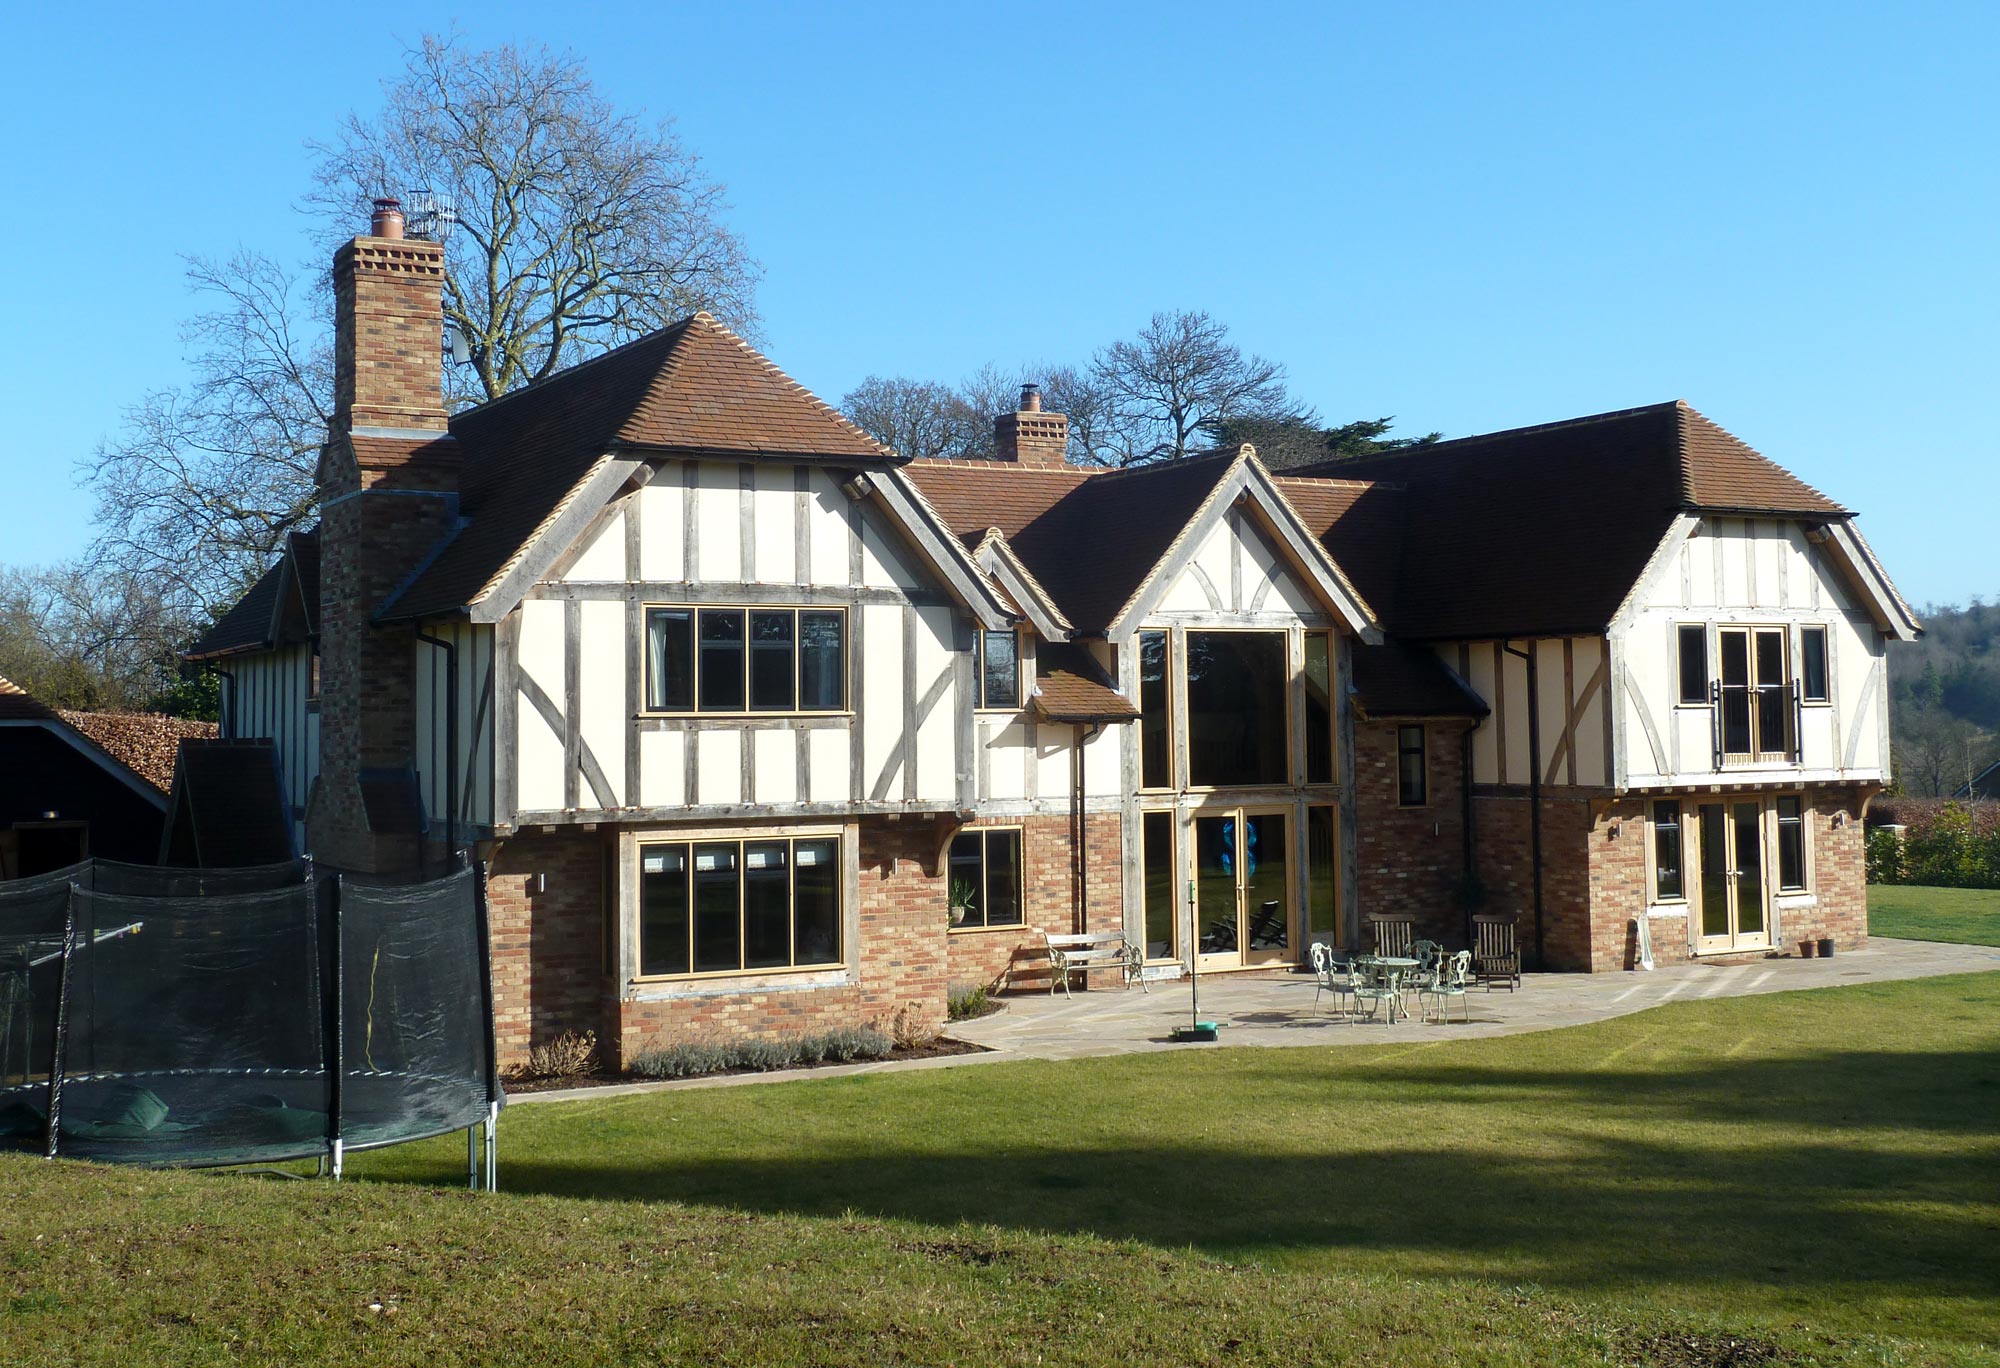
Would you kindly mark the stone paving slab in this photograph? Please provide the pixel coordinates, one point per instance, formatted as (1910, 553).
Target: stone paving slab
(1277, 1008)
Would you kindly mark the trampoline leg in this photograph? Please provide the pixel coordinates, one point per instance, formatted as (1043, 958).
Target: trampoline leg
(492, 1148)
(472, 1158)
(337, 1160)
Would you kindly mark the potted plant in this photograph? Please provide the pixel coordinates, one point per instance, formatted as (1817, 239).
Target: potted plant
(961, 900)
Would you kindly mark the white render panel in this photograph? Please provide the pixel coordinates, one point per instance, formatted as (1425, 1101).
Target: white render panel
(661, 530)
(718, 524)
(1052, 760)
(539, 773)
(1486, 738)
(827, 513)
(776, 527)
(1514, 678)
(777, 755)
(883, 561)
(1554, 707)
(1004, 745)
(601, 681)
(937, 728)
(828, 750)
(880, 707)
(719, 767)
(603, 559)
(662, 768)
(1593, 766)
(1101, 761)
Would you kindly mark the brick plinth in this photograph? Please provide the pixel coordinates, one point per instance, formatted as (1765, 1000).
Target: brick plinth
(1410, 860)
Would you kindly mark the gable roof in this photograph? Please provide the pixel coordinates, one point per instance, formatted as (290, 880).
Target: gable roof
(692, 389)
(1091, 540)
(1539, 530)
(19, 708)
(283, 605)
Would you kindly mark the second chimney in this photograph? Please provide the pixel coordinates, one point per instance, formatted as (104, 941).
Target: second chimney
(1031, 437)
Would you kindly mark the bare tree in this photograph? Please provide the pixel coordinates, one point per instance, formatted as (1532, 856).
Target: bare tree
(1180, 375)
(78, 638)
(578, 227)
(196, 493)
(919, 418)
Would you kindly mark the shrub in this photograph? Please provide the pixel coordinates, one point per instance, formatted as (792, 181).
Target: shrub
(911, 1030)
(1948, 853)
(1885, 857)
(691, 1059)
(572, 1052)
(963, 1001)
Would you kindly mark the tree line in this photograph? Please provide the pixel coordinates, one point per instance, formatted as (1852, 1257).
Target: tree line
(1944, 697)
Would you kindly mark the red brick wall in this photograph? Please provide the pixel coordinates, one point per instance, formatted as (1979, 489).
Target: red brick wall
(546, 923)
(1502, 837)
(1410, 859)
(1049, 887)
(1839, 859)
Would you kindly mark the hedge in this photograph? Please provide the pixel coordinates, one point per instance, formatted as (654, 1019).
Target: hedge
(1947, 844)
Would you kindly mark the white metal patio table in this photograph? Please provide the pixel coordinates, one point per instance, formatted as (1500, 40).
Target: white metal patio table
(1393, 968)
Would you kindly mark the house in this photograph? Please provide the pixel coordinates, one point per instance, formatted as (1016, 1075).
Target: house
(1983, 786)
(80, 784)
(764, 728)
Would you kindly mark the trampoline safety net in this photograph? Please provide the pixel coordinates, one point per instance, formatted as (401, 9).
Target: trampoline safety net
(212, 1017)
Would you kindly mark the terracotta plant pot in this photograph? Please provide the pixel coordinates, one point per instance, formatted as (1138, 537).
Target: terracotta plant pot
(1808, 948)
(1826, 947)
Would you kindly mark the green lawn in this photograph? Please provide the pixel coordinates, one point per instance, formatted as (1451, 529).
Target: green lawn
(1798, 1178)
(1968, 916)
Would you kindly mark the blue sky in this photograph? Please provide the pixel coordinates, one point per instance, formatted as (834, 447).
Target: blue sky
(1472, 217)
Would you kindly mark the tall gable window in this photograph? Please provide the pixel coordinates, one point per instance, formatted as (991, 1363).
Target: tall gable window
(999, 669)
(1812, 664)
(1156, 722)
(734, 660)
(1694, 663)
(1236, 723)
(1319, 708)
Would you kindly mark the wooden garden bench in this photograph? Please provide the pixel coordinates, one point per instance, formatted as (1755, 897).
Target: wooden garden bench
(1395, 932)
(1078, 954)
(1495, 957)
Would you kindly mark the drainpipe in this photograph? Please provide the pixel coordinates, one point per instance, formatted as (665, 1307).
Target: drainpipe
(1534, 784)
(1081, 839)
(1465, 825)
(450, 649)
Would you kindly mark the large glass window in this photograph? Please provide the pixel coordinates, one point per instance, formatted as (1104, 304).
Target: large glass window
(1413, 771)
(999, 670)
(718, 907)
(1736, 693)
(1156, 723)
(1812, 664)
(1791, 845)
(1236, 726)
(745, 659)
(1669, 868)
(1694, 664)
(1322, 869)
(985, 876)
(1157, 837)
(1319, 708)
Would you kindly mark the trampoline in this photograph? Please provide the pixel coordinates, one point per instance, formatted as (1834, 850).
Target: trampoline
(208, 1018)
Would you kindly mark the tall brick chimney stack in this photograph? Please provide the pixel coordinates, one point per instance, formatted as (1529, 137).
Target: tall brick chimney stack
(388, 488)
(1029, 436)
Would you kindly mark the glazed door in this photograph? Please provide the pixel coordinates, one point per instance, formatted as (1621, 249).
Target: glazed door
(1243, 888)
(1733, 912)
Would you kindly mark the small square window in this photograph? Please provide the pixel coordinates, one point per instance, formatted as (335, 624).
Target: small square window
(984, 877)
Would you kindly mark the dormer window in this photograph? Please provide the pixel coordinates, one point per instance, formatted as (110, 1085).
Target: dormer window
(999, 670)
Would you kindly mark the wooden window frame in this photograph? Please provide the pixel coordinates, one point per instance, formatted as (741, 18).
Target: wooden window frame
(1423, 750)
(1292, 723)
(1167, 681)
(791, 839)
(1653, 866)
(1824, 699)
(1779, 887)
(1332, 756)
(1708, 663)
(985, 834)
(1788, 682)
(694, 709)
(980, 703)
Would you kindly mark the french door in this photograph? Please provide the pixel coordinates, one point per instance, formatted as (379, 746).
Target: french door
(1243, 898)
(1733, 891)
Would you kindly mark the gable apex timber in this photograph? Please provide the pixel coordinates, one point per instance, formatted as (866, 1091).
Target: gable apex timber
(1246, 482)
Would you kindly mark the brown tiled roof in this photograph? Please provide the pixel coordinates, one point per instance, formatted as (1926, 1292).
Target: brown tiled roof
(144, 743)
(258, 620)
(1360, 523)
(1070, 686)
(1089, 538)
(1544, 530)
(693, 389)
(1396, 679)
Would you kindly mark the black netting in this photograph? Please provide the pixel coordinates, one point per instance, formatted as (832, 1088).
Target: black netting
(202, 1029)
(34, 915)
(194, 1029)
(162, 881)
(414, 1034)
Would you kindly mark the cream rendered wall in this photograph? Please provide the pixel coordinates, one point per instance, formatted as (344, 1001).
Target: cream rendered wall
(739, 533)
(1571, 708)
(1748, 572)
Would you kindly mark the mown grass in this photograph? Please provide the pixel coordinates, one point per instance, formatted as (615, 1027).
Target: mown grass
(1964, 916)
(1809, 1177)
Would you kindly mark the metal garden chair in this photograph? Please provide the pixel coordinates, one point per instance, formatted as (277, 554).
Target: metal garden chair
(1334, 973)
(1374, 985)
(1453, 976)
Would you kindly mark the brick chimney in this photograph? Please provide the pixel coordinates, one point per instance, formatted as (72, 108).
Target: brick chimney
(1029, 436)
(388, 488)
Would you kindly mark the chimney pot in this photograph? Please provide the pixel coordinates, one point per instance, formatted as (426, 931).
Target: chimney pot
(1031, 398)
(387, 220)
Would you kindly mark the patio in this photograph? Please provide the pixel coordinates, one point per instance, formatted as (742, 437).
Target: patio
(1277, 1008)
